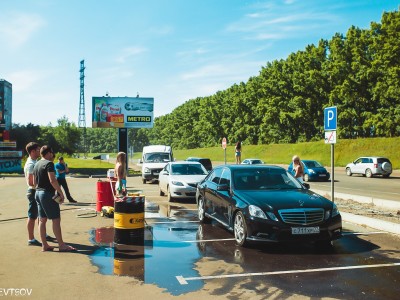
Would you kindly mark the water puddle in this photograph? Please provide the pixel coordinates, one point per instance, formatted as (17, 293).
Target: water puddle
(169, 250)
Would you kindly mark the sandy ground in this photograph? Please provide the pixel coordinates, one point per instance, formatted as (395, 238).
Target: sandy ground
(50, 275)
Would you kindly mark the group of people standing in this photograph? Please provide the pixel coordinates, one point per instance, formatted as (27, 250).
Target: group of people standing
(44, 182)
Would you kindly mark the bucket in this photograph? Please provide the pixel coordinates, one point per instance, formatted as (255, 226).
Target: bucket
(105, 196)
(129, 221)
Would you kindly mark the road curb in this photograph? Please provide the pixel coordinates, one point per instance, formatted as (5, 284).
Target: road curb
(370, 222)
(361, 220)
(363, 199)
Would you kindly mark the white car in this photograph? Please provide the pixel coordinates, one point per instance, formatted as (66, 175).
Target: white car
(369, 166)
(252, 161)
(180, 179)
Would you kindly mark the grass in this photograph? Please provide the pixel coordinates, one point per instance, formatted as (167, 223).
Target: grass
(345, 151)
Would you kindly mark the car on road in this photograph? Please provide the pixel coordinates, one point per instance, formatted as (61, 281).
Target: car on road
(268, 204)
(252, 161)
(180, 179)
(313, 170)
(369, 166)
(206, 162)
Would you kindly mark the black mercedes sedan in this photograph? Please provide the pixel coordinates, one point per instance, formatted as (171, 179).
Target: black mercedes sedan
(266, 203)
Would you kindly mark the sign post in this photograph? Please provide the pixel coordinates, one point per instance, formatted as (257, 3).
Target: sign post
(330, 126)
(224, 147)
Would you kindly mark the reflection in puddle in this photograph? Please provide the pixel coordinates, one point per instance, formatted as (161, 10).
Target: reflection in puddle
(165, 254)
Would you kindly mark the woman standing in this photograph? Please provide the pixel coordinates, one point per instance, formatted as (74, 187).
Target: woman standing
(238, 152)
(298, 168)
(120, 173)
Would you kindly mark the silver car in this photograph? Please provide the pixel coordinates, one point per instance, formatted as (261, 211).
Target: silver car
(252, 161)
(180, 179)
(369, 166)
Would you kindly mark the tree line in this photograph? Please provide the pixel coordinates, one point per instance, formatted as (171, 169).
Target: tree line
(358, 72)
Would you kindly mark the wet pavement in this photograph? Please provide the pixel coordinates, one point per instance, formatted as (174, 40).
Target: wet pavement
(165, 240)
(176, 244)
(183, 259)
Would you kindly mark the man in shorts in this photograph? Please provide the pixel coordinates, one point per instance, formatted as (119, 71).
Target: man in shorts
(46, 188)
(32, 149)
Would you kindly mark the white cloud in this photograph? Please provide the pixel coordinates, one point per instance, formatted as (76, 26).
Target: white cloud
(26, 79)
(129, 52)
(17, 28)
(205, 72)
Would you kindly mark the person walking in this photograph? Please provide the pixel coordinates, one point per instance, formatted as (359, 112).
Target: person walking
(46, 188)
(238, 152)
(120, 174)
(298, 168)
(61, 170)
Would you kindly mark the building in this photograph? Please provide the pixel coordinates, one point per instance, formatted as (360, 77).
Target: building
(5, 105)
(10, 158)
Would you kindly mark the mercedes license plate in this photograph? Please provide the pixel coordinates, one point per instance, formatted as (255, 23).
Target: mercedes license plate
(305, 230)
(322, 175)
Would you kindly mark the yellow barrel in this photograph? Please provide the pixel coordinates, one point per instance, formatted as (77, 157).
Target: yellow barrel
(129, 220)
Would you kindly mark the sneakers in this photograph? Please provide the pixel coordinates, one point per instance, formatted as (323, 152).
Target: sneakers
(34, 242)
(72, 201)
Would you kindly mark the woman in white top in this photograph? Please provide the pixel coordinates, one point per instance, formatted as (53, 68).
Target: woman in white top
(298, 168)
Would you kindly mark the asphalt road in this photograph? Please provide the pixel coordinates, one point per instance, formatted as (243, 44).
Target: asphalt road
(364, 263)
(183, 259)
(376, 187)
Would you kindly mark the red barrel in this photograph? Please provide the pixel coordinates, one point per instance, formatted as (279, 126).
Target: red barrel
(105, 235)
(105, 195)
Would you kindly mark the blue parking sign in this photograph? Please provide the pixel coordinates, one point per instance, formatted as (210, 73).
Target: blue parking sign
(330, 118)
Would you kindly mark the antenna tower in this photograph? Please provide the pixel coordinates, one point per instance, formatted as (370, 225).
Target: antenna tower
(82, 116)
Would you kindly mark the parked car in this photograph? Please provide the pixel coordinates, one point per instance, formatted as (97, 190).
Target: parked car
(180, 179)
(313, 170)
(369, 166)
(252, 161)
(206, 162)
(266, 203)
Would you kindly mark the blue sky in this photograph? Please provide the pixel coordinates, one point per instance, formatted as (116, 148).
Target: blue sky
(172, 50)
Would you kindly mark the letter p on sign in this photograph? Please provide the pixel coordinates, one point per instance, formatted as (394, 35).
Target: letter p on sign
(330, 118)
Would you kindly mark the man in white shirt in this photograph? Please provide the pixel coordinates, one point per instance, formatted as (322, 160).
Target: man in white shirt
(33, 150)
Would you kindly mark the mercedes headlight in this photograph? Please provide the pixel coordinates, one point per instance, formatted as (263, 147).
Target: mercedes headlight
(257, 212)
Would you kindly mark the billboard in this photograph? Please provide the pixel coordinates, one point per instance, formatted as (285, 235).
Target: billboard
(122, 112)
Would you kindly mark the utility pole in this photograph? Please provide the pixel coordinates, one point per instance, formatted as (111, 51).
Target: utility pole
(82, 116)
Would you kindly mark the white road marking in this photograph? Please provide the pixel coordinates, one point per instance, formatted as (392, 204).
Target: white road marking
(173, 222)
(182, 280)
(204, 241)
(363, 233)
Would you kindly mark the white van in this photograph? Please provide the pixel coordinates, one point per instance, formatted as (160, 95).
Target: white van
(154, 159)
